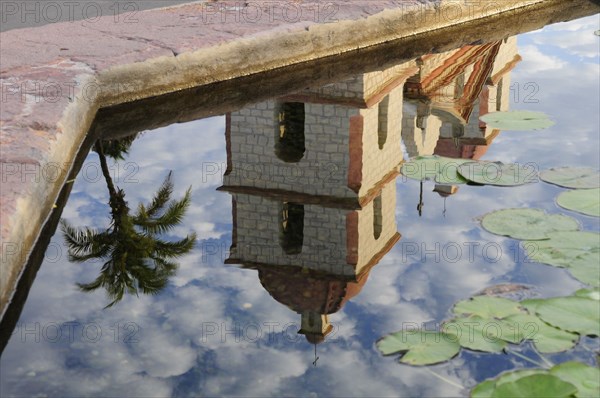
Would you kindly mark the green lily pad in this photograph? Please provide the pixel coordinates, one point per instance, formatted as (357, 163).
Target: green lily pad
(486, 388)
(537, 385)
(527, 224)
(593, 294)
(562, 248)
(586, 378)
(487, 307)
(496, 173)
(584, 201)
(517, 120)
(531, 304)
(436, 168)
(574, 314)
(586, 268)
(572, 177)
(547, 339)
(479, 334)
(420, 347)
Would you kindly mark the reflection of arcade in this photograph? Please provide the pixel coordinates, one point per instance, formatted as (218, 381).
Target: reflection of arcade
(312, 177)
(445, 100)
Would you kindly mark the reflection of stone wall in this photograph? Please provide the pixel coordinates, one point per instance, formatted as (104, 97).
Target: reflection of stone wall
(322, 171)
(336, 241)
(258, 229)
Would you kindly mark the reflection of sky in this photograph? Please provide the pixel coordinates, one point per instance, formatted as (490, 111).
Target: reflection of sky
(199, 336)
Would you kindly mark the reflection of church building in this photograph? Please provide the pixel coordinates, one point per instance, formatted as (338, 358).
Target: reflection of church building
(312, 177)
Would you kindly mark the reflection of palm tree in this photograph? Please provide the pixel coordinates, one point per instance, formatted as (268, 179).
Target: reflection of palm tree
(135, 258)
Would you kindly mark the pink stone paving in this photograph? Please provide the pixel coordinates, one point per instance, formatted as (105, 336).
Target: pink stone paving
(54, 78)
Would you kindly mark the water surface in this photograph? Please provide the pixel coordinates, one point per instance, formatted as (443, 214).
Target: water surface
(232, 329)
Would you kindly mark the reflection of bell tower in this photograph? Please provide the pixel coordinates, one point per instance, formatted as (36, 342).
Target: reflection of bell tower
(315, 326)
(312, 176)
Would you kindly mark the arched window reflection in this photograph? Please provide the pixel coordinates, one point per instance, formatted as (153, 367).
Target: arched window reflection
(291, 237)
(382, 131)
(290, 142)
(377, 217)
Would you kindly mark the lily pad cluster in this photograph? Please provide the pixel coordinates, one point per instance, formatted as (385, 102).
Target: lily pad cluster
(578, 251)
(564, 380)
(585, 182)
(492, 324)
(552, 239)
(444, 170)
(517, 120)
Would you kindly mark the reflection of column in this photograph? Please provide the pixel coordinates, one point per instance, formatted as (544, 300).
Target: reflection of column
(420, 130)
(312, 177)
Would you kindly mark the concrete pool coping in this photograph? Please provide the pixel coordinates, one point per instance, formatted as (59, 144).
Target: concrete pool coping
(52, 87)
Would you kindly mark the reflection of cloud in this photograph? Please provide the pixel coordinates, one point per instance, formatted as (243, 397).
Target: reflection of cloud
(535, 61)
(254, 371)
(576, 38)
(581, 25)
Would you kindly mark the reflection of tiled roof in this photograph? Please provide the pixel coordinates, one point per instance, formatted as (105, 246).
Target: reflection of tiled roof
(481, 57)
(301, 292)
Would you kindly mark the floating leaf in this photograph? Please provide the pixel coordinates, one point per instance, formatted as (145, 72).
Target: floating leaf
(486, 389)
(517, 120)
(531, 304)
(586, 268)
(547, 339)
(593, 294)
(496, 173)
(478, 334)
(437, 168)
(572, 177)
(420, 347)
(586, 378)
(487, 307)
(527, 224)
(562, 248)
(537, 385)
(584, 201)
(574, 314)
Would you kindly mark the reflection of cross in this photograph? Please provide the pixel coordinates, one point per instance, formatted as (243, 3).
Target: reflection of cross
(316, 357)
(444, 212)
(421, 204)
